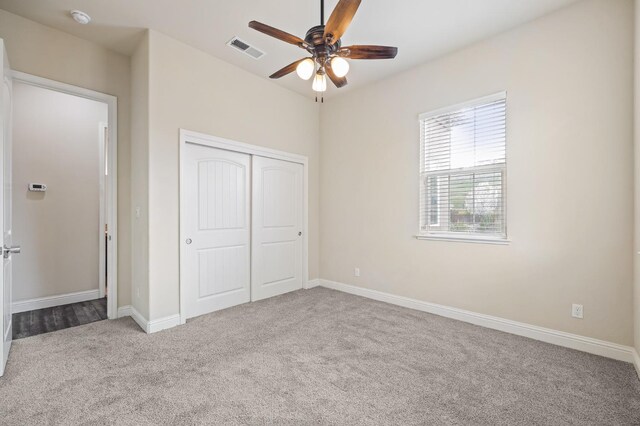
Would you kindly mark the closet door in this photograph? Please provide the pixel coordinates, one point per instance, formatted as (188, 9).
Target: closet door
(217, 229)
(276, 246)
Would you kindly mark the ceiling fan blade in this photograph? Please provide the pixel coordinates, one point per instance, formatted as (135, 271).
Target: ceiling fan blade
(276, 33)
(368, 52)
(338, 81)
(340, 19)
(286, 70)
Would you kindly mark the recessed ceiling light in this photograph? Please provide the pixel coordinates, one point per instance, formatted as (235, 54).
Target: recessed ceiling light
(80, 17)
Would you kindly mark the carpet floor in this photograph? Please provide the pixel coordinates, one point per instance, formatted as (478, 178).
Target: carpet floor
(310, 357)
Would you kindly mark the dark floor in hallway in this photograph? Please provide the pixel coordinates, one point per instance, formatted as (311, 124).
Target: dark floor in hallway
(32, 323)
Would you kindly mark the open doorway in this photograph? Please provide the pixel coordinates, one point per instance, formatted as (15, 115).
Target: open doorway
(64, 201)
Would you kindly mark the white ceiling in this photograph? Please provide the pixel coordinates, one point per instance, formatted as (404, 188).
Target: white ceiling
(421, 29)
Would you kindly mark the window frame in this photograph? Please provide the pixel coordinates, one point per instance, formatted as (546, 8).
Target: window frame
(424, 176)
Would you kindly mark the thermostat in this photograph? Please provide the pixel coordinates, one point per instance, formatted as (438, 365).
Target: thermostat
(37, 187)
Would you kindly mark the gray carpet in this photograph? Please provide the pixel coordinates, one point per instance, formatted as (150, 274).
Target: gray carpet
(310, 357)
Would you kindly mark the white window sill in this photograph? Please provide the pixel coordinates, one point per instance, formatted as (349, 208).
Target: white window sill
(456, 239)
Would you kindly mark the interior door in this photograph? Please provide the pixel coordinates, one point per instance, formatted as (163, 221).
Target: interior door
(216, 238)
(5, 211)
(277, 206)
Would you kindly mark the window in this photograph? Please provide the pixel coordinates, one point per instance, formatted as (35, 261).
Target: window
(462, 171)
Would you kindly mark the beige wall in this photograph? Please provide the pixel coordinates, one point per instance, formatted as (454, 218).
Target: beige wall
(192, 90)
(569, 185)
(140, 177)
(56, 141)
(43, 51)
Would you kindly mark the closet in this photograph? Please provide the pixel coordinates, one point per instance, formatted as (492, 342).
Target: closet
(242, 223)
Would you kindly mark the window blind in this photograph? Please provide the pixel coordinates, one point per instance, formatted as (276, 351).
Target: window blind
(462, 170)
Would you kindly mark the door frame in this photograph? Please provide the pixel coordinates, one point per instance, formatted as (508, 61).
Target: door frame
(103, 134)
(188, 136)
(111, 198)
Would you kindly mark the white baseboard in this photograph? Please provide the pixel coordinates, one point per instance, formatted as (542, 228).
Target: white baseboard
(146, 325)
(124, 311)
(312, 283)
(130, 311)
(560, 338)
(636, 362)
(49, 301)
(164, 323)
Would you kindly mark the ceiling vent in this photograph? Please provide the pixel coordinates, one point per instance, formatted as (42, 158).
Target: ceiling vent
(245, 48)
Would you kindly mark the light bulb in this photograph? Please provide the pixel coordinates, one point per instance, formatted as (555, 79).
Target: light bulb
(305, 69)
(339, 66)
(319, 83)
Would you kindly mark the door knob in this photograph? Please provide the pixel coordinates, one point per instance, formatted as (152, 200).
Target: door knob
(7, 251)
(300, 234)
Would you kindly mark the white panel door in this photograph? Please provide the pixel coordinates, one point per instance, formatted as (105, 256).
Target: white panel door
(6, 249)
(277, 205)
(216, 238)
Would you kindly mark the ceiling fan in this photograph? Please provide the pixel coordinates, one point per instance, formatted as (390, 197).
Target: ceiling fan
(324, 44)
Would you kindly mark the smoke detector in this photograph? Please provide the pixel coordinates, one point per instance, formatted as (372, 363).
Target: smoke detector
(80, 17)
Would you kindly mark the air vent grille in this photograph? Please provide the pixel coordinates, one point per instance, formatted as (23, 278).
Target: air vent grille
(245, 48)
(240, 45)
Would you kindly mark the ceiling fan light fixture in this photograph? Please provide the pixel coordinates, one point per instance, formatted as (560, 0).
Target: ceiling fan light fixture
(305, 69)
(319, 83)
(339, 66)
(324, 43)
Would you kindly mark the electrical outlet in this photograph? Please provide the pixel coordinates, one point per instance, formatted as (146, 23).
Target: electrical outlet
(577, 311)
(356, 272)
